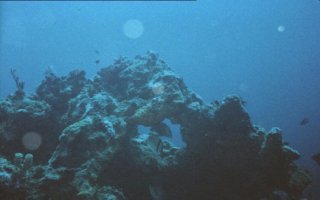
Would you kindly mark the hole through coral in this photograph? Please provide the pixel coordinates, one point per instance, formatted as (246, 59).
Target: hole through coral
(175, 138)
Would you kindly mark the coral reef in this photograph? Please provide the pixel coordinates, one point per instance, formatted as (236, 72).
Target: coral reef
(86, 144)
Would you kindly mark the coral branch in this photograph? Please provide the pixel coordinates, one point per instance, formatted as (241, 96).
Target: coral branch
(19, 94)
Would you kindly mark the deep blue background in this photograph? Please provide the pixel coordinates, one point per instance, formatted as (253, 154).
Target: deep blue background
(218, 47)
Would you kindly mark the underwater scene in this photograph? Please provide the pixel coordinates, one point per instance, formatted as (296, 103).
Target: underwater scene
(160, 100)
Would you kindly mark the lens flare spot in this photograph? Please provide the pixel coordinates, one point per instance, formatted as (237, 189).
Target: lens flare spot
(281, 28)
(32, 140)
(133, 28)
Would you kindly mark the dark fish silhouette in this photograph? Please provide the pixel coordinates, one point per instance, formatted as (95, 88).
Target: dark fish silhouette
(159, 146)
(96, 51)
(162, 129)
(216, 103)
(316, 157)
(304, 121)
(155, 142)
(97, 62)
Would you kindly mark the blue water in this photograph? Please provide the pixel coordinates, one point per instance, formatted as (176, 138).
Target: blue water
(268, 52)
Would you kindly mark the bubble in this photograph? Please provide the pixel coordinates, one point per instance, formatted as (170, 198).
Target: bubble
(281, 28)
(32, 140)
(133, 28)
(157, 88)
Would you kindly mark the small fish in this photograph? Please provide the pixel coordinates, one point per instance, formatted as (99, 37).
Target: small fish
(162, 129)
(159, 146)
(96, 51)
(155, 143)
(97, 62)
(304, 121)
(316, 157)
(215, 103)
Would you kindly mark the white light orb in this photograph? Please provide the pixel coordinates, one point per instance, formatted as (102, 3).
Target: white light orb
(32, 140)
(281, 28)
(133, 28)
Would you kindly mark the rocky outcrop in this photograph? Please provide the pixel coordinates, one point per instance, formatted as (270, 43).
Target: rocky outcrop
(92, 148)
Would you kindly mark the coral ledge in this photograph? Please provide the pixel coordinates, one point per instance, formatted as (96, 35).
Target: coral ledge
(79, 138)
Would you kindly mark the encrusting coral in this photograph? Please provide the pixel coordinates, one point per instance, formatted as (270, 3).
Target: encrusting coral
(92, 147)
